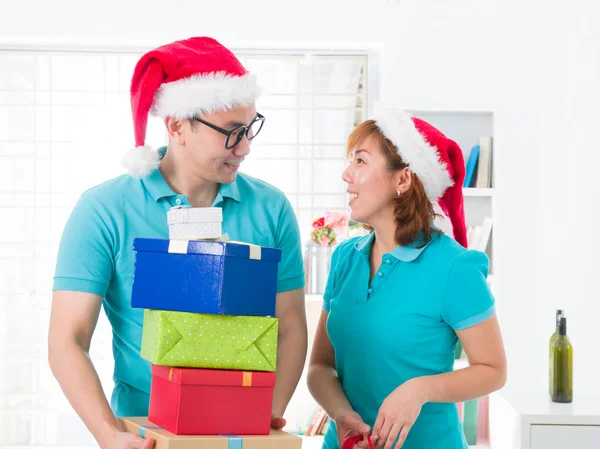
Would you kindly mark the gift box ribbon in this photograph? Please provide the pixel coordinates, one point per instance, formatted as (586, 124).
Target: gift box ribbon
(233, 441)
(181, 246)
(142, 430)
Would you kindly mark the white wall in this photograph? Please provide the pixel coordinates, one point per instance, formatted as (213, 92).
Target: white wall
(540, 75)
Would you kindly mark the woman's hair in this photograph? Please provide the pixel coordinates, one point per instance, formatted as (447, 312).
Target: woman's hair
(413, 212)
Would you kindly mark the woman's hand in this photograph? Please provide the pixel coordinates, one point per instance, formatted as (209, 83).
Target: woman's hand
(348, 424)
(397, 414)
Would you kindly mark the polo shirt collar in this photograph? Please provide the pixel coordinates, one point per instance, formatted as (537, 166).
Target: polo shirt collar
(158, 188)
(406, 253)
(230, 191)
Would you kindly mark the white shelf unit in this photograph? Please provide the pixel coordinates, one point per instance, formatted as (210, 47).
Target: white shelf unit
(464, 127)
(478, 192)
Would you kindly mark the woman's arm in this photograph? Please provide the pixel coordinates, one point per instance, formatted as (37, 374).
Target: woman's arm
(485, 374)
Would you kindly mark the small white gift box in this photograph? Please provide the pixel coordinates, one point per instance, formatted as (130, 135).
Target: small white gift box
(189, 223)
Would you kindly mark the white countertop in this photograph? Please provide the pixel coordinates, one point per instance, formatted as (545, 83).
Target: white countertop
(538, 408)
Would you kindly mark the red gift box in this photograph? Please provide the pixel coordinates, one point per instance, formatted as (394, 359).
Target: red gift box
(193, 401)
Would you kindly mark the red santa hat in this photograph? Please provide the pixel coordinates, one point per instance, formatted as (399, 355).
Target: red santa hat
(184, 79)
(435, 159)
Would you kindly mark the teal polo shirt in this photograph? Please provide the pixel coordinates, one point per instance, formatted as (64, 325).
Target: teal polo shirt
(96, 256)
(402, 325)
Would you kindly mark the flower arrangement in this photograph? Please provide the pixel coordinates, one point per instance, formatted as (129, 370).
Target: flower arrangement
(327, 228)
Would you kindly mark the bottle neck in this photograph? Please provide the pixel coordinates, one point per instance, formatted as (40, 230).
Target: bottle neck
(562, 327)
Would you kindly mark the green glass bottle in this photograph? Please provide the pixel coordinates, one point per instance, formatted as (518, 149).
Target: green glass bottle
(559, 313)
(562, 359)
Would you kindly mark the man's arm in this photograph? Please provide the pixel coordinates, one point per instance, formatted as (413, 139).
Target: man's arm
(84, 268)
(292, 347)
(73, 318)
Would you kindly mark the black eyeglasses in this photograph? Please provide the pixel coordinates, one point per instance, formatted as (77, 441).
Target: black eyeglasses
(236, 135)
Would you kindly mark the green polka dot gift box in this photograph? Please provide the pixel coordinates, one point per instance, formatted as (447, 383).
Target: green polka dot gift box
(193, 340)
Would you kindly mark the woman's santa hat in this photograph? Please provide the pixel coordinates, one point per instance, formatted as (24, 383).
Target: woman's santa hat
(184, 79)
(435, 159)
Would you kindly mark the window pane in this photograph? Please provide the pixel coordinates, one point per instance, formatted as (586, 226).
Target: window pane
(335, 101)
(330, 152)
(280, 127)
(17, 71)
(17, 225)
(276, 102)
(17, 123)
(331, 126)
(16, 149)
(275, 75)
(337, 76)
(17, 174)
(328, 176)
(83, 72)
(18, 98)
(274, 151)
(280, 173)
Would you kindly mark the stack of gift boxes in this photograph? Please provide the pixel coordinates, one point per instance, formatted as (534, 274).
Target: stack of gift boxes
(209, 329)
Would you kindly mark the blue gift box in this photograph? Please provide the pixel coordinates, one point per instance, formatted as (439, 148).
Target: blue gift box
(201, 276)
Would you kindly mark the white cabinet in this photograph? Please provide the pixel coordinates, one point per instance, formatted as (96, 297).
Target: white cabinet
(564, 437)
(521, 420)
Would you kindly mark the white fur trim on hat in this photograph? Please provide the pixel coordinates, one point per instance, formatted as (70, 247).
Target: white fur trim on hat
(422, 158)
(189, 97)
(141, 161)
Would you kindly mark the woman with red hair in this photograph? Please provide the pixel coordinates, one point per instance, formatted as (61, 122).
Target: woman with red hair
(399, 299)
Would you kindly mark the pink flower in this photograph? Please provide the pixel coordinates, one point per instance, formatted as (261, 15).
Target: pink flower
(335, 220)
(318, 223)
(324, 241)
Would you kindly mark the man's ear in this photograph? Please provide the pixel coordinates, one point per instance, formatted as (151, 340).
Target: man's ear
(175, 129)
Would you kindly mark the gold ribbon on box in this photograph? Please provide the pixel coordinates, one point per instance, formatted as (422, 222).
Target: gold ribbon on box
(246, 379)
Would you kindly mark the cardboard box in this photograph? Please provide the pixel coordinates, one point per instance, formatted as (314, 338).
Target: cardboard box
(210, 341)
(167, 440)
(189, 223)
(200, 276)
(189, 401)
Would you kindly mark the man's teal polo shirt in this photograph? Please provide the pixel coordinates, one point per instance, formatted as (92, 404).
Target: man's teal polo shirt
(95, 255)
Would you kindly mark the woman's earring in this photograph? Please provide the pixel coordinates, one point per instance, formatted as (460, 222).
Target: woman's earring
(398, 192)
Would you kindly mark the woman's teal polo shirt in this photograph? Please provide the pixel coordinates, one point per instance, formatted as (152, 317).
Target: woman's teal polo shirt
(402, 325)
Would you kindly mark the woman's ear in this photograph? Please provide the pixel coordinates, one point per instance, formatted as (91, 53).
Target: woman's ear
(403, 180)
(175, 129)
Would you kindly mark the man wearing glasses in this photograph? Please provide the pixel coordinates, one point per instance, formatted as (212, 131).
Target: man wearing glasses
(206, 99)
